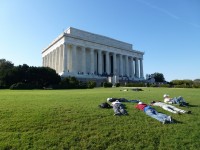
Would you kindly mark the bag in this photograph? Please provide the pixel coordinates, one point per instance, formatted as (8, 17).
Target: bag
(105, 105)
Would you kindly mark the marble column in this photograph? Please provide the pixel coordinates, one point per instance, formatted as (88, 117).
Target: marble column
(136, 68)
(99, 62)
(92, 61)
(83, 60)
(107, 63)
(126, 65)
(114, 64)
(121, 65)
(56, 60)
(65, 46)
(47, 60)
(69, 58)
(141, 68)
(74, 59)
(49, 63)
(132, 67)
(59, 60)
(51, 60)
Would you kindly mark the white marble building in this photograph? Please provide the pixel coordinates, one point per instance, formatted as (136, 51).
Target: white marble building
(84, 55)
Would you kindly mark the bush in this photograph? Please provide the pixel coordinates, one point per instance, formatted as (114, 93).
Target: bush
(135, 85)
(196, 85)
(107, 84)
(165, 85)
(154, 85)
(91, 84)
(70, 83)
(117, 84)
(3, 87)
(82, 85)
(22, 86)
(73, 83)
(180, 86)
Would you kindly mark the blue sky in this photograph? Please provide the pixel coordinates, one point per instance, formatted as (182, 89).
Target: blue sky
(168, 31)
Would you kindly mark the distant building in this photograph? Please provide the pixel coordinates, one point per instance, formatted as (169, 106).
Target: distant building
(87, 55)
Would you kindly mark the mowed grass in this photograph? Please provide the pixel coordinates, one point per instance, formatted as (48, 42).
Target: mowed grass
(71, 119)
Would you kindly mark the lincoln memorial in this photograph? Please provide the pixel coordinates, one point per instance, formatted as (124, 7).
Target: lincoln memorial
(87, 55)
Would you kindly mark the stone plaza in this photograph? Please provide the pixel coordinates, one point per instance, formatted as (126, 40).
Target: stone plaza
(86, 55)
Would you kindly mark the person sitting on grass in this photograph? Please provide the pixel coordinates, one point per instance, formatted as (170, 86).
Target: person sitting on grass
(118, 108)
(122, 100)
(148, 110)
(169, 108)
(176, 100)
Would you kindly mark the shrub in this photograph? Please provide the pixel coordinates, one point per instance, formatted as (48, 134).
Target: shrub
(107, 84)
(82, 85)
(91, 84)
(165, 85)
(196, 85)
(153, 85)
(22, 86)
(3, 87)
(180, 86)
(117, 84)
(135, 84)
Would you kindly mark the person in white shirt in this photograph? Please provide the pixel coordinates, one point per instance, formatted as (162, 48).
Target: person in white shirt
(169, 108)
(176, 100)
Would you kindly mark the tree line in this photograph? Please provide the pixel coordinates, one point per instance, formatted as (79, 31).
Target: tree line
(30, 77)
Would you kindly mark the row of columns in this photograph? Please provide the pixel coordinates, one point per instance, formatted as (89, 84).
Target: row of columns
(92, 61)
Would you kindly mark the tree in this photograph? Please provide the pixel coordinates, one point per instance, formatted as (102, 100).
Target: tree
(5, 68)
(159, 77)
(46, 76)
(4, 64)
(37, 77)
(197, 80)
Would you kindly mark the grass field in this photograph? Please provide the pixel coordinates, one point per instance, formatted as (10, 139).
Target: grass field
(71, 119)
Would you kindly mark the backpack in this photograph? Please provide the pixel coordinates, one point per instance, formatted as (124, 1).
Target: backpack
(105, 105)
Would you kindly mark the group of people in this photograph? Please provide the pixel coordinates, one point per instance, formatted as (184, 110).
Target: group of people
(119, 107)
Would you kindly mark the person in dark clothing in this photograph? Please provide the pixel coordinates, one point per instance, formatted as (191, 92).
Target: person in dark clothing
(122, 100)
(105, 105)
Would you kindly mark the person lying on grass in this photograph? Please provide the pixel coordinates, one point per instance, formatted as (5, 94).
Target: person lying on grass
(122, 100)
(119, 108)
(176, 100)
(105, 105)
(169, 108)
(148, 110)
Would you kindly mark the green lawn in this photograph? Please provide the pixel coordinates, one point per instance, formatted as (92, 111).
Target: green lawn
(71, 119)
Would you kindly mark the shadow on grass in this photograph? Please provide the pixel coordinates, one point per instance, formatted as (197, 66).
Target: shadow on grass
(193, 105)
(177, 122)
